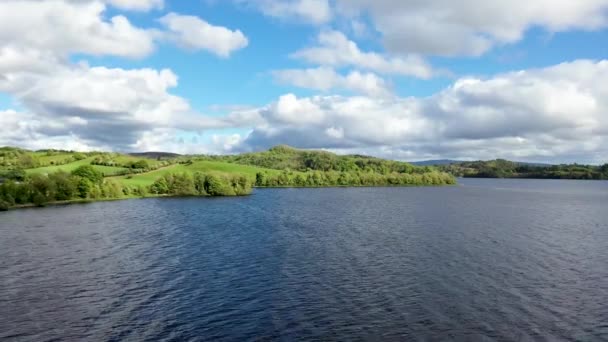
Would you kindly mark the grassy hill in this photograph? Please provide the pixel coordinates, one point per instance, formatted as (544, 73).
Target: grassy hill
(285, 157)
(39, 177)
(71, 166)
(204, 166)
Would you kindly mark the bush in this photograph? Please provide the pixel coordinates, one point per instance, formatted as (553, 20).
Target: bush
(79, 156)
(16, 175)
(140, 164)
(84, 186)
(90, 173)
(4, 206)
(202, 185)
(215, 186)
(39, 200)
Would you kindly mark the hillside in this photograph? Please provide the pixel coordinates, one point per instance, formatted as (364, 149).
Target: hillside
(501, 168)
(435, 162)
(284, 157)
(155, 155)
(46, 176)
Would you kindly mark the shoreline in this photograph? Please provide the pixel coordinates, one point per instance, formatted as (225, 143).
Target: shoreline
(92, 200)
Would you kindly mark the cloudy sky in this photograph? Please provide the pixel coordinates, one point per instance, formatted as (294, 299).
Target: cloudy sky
(402, 79)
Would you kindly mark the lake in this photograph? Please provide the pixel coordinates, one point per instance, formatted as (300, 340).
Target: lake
(486, 260)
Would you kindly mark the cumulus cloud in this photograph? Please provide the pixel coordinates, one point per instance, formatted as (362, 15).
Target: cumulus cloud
(196, 34)
(551, 114)
(310, 11)
(103, 107)
(40, 26)
(470, 27)
(68, 105)
(336, 50)
(137, 5)
(542, 114)
(63, 27)
(99, 106)
(325, 79)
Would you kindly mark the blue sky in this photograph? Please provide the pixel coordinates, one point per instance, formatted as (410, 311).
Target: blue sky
(399, 79)
(244, 77)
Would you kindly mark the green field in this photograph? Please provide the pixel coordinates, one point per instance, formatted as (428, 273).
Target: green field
(124, 159)
(148, 178)
(106, 170)
(54, 159)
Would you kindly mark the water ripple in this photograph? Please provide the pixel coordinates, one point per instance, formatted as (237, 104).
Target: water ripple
(488, 260)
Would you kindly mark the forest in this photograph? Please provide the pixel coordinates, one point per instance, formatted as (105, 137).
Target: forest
(86, 183)
(285, 157)
(501, 168)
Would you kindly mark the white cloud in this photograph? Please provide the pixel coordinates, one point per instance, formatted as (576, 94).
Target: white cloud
(552, 114)
(67, 105)
(63, 27)
(102, 108)
(335, 49)
(471, 27)
(226, 143)
(54, 29)
(27, 130)
(555, 113)
(291, 110)
(194, 33)
(310, 11)
(137, 5)
(325, 79)
(98, 106)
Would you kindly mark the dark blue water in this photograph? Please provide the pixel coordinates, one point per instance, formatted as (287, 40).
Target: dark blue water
(488, 260)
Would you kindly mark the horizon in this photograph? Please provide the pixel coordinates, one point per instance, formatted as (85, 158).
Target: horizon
(538, 163)
(403, 81)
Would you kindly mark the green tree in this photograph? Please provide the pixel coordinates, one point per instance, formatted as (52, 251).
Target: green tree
(140, 164)
(160, 186)
(215, 186)
(84, 187)
(112, 189)
(26, 161)
(90, 173)
(79, 156)
(199, 183)
(18, 175)
(260, 179)
(65, 185)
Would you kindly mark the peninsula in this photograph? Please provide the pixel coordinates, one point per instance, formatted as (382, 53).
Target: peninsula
(37, 178)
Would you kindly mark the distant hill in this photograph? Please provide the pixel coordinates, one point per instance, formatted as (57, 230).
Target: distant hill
(156, 155)
(436, 162)
(501, 168)
(534, 164)
(285, 157)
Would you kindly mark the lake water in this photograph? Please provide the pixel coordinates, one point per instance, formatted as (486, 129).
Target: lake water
(487, 260)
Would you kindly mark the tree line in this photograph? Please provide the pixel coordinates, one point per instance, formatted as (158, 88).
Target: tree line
(201, 184)
(16, 158)
(288, 158)
(87, 183)
(353, 178)
(501, 168)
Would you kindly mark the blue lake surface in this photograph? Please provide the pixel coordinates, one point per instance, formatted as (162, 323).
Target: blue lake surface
(487, 260)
